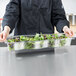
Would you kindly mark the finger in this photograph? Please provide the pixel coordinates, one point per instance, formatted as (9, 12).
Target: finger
(4, 36)
(69, 32)
(72, 33)
(1, 36)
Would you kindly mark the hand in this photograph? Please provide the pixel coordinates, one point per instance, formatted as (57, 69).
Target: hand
(68, 31)
(4, 34)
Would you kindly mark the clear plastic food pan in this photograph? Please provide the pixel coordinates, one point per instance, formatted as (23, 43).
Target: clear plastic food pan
(38, 41)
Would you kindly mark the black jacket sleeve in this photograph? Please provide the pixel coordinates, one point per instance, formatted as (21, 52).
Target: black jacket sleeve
(58, 15)
(11, 14)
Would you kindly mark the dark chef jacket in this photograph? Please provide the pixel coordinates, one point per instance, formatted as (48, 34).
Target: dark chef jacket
(35, 16)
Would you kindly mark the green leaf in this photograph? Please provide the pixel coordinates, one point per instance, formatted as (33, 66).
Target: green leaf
(11, 40)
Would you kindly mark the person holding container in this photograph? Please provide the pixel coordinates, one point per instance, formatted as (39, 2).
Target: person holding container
(34, 16)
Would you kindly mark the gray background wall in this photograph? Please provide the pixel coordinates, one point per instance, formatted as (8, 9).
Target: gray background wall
(70, 6)
(3, 4)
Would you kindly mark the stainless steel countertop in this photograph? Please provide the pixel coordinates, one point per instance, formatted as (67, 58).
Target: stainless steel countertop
(60, 63)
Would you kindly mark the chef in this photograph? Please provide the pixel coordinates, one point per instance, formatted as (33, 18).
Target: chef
(34, 16)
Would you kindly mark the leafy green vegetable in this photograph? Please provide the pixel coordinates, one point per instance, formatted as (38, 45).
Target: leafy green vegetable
(41, 37)
(11, 40)
(56, 36)
(62, 42)
(23, 38)
(48, 36)
(41, 44)
(11, 46)
(17, 39)
(29, 45)
(36, 37)
(51, 43)
(30, 40)
(63, 36)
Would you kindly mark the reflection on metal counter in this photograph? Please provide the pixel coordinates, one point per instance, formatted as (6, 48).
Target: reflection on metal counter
(46, 64)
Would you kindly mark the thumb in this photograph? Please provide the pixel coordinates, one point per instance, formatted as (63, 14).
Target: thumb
(70, 33)
(1, 35)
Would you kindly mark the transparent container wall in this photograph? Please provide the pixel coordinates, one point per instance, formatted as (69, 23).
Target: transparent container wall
(39, 44)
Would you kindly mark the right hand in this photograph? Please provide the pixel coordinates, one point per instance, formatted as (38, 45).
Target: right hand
(4, 34)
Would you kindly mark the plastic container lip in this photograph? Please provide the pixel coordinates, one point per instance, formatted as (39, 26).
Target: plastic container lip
(31, 36)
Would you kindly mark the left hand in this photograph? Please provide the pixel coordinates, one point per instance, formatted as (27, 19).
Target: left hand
(68, 31)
